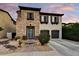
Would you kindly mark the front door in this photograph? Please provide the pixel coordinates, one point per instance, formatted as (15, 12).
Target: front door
(30, 32)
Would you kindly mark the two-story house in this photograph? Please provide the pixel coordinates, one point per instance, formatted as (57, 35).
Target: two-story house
(31, 22)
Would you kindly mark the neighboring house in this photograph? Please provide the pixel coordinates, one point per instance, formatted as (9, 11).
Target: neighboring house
(31, 22)
(7, 23)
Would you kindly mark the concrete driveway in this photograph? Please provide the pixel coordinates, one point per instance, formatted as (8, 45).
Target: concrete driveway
(66, 47)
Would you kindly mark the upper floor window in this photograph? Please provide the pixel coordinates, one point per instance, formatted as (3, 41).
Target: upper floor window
(54, 20)
(30, 16)
(44, 19)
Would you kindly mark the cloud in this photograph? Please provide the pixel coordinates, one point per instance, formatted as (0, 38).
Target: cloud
(59, 8)
(70, 18)
(66, 9)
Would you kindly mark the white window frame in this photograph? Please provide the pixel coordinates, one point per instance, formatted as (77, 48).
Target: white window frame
(53, 20)
(42, 18)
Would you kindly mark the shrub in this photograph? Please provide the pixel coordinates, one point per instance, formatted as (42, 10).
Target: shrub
(44, 39)
(24, 37)
(71, 32)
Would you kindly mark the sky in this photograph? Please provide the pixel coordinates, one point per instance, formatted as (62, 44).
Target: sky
(70, 10)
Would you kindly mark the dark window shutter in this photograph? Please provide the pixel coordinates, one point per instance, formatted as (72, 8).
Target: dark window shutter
(56, 20)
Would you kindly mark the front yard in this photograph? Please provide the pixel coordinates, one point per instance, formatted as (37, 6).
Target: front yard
(9, 46)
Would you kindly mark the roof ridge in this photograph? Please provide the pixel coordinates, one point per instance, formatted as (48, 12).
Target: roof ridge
(29, 8)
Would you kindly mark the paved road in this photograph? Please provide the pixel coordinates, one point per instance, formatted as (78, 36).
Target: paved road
(66, 47)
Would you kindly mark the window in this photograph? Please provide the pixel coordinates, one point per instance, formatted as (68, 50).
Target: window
(54, 20)
(55, 33)
(44, 32)
(30, 16)
(44, 19)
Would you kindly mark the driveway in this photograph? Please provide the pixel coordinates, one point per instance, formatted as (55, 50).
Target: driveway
(66, 47)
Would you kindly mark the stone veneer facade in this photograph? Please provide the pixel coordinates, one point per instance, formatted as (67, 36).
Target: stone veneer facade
(22, 22)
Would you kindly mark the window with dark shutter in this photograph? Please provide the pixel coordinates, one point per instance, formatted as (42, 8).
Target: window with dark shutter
(55, 33)
(44, 19)
(54, 20)
(30, 16)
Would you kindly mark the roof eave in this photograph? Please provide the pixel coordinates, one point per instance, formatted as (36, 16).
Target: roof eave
(29, 8)
(55, 14)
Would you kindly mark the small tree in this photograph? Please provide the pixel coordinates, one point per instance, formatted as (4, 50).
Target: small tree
(44, 38)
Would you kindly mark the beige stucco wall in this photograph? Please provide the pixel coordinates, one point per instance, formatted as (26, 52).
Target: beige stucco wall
(22, 22)
(6, 23)
(50, 27)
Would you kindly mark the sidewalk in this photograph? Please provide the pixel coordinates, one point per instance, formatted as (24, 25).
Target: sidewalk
(49, 53)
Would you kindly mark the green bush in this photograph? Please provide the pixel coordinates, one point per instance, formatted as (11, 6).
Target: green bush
(44, 39)
(71, 32)
(24, 37)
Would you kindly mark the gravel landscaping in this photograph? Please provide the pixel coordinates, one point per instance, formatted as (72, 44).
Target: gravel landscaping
(8, 47)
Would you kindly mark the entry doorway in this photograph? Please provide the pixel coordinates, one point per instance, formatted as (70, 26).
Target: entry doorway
(30, 32)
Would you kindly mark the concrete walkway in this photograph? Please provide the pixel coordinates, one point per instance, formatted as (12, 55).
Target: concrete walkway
(43, 53)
